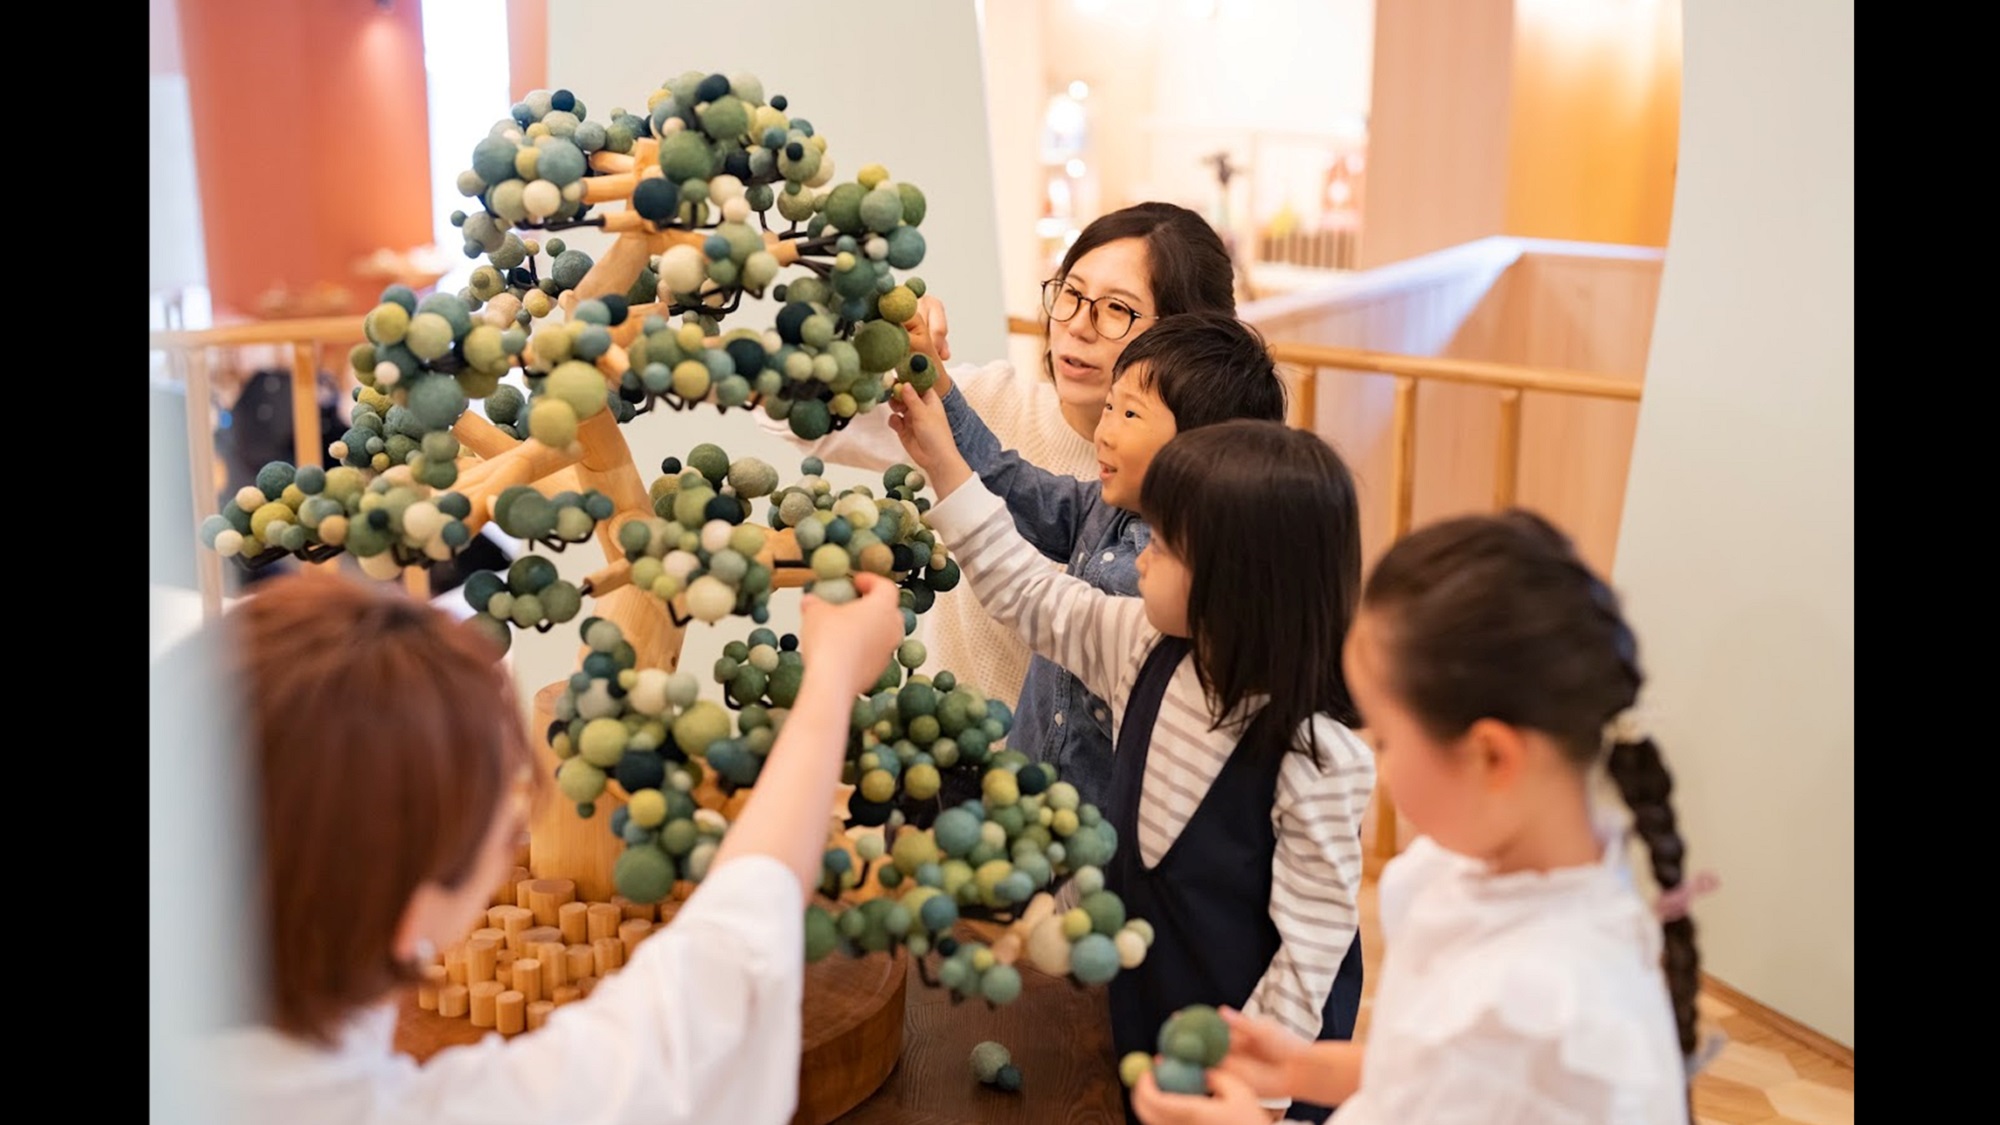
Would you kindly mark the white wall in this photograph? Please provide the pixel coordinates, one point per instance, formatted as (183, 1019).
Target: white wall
(1736, 554)
(901, 88)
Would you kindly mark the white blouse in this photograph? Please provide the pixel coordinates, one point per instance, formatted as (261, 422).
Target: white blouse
(1531, 998)
(701, 1025)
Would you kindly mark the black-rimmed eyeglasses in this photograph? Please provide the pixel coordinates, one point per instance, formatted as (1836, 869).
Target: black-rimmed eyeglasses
(1110, 316)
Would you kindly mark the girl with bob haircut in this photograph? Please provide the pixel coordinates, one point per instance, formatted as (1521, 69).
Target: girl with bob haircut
(1522, 983)
(1235, 771)
(389, 778)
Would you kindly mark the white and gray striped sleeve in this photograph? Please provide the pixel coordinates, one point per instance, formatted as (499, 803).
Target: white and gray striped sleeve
(1315, 876)
(1087, 631)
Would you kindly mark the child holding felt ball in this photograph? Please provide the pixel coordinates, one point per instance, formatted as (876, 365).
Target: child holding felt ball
(388, 781)
(1235, 772)
(1523, 981)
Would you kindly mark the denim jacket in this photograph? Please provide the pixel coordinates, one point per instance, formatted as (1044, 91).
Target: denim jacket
(1058, 720)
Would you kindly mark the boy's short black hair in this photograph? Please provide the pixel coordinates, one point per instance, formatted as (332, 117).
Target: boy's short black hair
(1208, 367)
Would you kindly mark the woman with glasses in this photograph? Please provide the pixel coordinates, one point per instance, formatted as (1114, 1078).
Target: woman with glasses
(1125, 271)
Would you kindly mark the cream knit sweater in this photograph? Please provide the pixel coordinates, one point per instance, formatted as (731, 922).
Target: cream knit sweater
(1022, 410)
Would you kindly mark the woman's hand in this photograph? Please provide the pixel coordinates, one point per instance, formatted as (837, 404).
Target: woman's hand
(928, 330)
(857, 637)
(1261, 1053)
(1230, 1102)
(919, 421)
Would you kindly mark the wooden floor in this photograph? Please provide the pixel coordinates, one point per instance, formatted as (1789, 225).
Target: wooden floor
(1764, 1075)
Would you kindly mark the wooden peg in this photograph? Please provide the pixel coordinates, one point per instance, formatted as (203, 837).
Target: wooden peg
(481, 960)
(435, 978)
(554, 956)
(603, 921)
(483, 995)
(573, 919)
(536, 935)
(455, 965)
(454, 1000)
(609, 953)
(630, 931)
(629, 909)
(514, 920)
(538, 1013)
(585, 985)
(510, 1012)
(579, 961)
(565, 994)
(528, 978)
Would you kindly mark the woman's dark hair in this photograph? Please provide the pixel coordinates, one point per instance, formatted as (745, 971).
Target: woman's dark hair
(1207, 367)
(1497, 617)
(1188, 267)
(1265, 519)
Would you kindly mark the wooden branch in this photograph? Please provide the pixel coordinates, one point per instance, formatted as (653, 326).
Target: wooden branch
(482, 437)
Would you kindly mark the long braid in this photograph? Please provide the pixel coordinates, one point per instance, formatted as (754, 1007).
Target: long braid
(1644, 782)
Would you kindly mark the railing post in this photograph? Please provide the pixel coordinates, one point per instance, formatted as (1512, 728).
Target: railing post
(201, 468)
(1403, 453)
(1304, 407)
(1506, 476)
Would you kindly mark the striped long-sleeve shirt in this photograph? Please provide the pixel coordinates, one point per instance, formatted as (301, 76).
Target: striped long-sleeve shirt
(1103, 639)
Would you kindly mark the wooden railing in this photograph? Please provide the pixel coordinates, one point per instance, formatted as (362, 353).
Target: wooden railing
(1308, 361)
(188, 358)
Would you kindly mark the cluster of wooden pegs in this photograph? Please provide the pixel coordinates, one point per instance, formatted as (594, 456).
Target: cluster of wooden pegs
(538, 949)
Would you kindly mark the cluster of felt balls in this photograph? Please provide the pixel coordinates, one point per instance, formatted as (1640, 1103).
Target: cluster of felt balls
(699, 544)
(839, 534)
(993, 1065)
(1192, 1041)
(431, 356)
(387, 521)
(531, 595)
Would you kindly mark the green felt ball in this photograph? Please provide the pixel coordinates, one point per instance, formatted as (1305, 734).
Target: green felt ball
(1195, 1034)
(569, 268)
(880, 345)
(1093, 959)
(710, 460)
(1106, 910)
(906, 251)
(1001, 984)
(1175, 1076)
(644, 874)
(987, 1059)
(843, 207)
(504, 404)
(881, 209)
(822, 937)
(1009, 1078)
(686, 155)
(429, 336)
(603, 743)
(577, 778)
(914, 206)
(436, 401)
(529, 574)
(1134, 1064)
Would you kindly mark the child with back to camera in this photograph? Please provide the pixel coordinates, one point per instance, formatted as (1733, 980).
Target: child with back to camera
(1522, 979)
(1237, 784)
(388, 779)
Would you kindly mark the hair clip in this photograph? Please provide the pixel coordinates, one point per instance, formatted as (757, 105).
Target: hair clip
(1624, 729)
(1673, 905)
(1705, 1053)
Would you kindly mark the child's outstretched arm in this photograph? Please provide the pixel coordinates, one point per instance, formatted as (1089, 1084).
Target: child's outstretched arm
(1048, 507)
(1095, 635)
(1315, 875)
(845, 647)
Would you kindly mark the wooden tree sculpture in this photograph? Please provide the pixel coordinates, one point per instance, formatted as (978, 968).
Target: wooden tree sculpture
(942, 822)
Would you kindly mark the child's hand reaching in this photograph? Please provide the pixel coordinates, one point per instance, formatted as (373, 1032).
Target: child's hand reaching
(1262, 1054)
(1230, 1102)
(928, 330)
(920, 422)
(857, 637)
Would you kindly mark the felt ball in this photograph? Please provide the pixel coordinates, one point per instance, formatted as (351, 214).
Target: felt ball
(1093, 959)
(578, 779)
(881, 209)
(1048, 947)
(906, 251)
(702, 723)
(685, 156)
(1001, 984)
(1175, 1076)
(602, 742)
(386, 323)
(644, 874)
(710, 599)
(1106, 911)
(648, 808)
(579, 384)
(822, 937)
(987, 1059)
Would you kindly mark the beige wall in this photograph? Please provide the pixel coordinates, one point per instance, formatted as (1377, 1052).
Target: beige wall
(1736, 554)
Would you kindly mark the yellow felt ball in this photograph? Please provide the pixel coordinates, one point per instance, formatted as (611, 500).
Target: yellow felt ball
(261, 519)
(537, 303)
(292, 497)
(552, 422)
(1131, 949)
(691, 379)
(333, 530)
(647, 808)
(1075, 923)
(579, 384)
(551, 344)
(871, 174)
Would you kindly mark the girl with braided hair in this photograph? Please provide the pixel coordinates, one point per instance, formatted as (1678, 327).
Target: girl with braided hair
(1523, 981)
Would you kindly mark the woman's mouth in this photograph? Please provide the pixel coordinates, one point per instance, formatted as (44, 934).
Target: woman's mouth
(1076, 369)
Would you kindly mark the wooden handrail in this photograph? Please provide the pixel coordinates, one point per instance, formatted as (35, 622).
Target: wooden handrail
(263, 332)
(1473, 372)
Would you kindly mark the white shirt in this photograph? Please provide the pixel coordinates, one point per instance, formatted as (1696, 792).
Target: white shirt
(1531, 998)
(1104, 640)
(701, 1025)
(1022, 410)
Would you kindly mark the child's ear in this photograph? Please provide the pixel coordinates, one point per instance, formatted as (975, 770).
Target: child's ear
(1498, 751)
